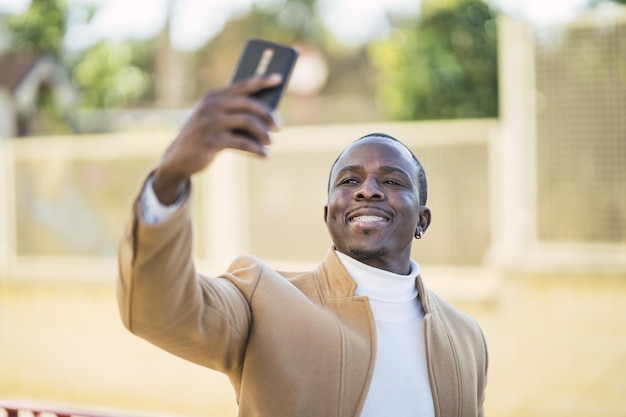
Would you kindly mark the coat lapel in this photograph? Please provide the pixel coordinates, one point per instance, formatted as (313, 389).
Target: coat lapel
(441, 357)
(358, 332)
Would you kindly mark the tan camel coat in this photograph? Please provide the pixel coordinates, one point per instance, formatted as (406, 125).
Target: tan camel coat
(292, 344)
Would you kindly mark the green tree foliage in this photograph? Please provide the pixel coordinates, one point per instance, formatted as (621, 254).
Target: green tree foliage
(288, 21)
(106, 74)
(597, 2)
(443, 66)
(41, 27)
(291, 22)
(108, 77)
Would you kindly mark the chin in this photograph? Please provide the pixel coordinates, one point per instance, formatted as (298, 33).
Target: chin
(368, 253)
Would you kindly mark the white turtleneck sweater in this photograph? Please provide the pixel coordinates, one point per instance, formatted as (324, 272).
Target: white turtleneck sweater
(400, 386)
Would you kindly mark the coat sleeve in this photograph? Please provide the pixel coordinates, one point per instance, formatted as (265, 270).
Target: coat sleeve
(162, 299)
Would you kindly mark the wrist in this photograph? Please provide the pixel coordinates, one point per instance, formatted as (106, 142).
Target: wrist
(168, 188)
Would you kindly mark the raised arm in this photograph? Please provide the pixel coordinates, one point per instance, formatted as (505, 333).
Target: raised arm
(160, 295)
(222, 119)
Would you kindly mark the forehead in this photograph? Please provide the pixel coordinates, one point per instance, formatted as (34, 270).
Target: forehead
(376, 151)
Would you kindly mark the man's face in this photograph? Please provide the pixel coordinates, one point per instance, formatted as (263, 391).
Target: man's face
(373, 208)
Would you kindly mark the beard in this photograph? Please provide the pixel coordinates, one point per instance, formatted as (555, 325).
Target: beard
(368, 253)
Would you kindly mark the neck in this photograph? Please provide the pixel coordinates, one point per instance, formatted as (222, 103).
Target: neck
(400, 266)
(396, 266)
(380, 284)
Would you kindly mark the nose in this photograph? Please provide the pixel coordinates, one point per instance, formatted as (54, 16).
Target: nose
(369, 190)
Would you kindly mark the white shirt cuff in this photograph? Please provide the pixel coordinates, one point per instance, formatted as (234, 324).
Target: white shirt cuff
(152, 210)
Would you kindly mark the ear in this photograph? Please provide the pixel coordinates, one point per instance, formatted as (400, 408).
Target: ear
(326, 214)
(424, 219)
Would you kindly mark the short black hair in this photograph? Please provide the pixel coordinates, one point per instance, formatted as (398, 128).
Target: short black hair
(422, 184)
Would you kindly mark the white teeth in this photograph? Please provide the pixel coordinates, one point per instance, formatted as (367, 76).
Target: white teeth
(367, 219)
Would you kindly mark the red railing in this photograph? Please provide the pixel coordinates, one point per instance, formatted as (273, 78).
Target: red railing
(25, 408)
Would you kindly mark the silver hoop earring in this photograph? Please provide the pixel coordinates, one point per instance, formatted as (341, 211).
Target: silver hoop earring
(419, 234)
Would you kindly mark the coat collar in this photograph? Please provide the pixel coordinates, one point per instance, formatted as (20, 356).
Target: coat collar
(336, 282)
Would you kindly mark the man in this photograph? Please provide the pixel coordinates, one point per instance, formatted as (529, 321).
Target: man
(358, 336)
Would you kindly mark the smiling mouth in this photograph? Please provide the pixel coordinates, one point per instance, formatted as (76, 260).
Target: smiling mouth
(367, 219)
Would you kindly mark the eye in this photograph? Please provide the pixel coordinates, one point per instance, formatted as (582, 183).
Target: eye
(348, 181)
(392, 182)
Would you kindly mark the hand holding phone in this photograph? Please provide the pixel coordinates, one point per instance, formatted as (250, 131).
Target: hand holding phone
(260, 57)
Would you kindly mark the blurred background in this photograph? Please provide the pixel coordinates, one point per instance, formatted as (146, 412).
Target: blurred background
(517, 110)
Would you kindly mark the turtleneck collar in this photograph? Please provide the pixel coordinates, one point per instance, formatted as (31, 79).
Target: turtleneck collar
(378, 284)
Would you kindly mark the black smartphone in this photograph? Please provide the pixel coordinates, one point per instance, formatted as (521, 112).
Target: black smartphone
(260, 57)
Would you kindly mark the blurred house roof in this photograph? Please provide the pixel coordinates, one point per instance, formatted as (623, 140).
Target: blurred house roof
(14, 68)
(23, 79)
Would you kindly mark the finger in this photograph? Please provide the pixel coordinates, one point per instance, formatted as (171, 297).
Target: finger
(244, 143)
(247, 125)
(254, 108)
(254, 84)
(219, 108)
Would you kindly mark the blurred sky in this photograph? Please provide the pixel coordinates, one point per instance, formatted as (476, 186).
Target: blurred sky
(194, 22)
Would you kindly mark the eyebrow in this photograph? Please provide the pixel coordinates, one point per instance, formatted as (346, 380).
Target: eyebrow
(384, 168)
(394, 169)
(349, 168)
